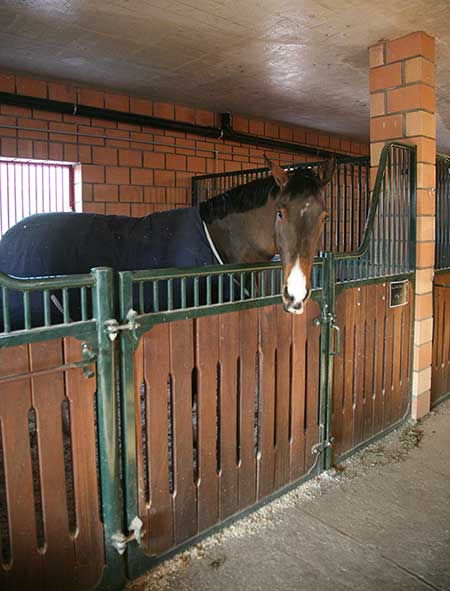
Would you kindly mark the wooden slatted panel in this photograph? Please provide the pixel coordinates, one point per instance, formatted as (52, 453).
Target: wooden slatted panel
(244, 390)
(371, 387)
(36, 482)
(440, 371)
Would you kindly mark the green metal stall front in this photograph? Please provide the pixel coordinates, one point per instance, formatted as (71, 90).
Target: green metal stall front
(203, 399)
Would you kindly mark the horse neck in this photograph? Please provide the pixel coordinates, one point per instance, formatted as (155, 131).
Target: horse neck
(245, 237)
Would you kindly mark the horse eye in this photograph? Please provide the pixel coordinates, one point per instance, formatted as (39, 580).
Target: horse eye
(279, 214)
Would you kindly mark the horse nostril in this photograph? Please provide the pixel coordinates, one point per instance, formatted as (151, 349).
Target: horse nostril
(287, 296)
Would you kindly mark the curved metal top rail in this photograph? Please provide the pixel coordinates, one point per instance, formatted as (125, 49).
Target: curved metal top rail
(44, 283)
(377, 190)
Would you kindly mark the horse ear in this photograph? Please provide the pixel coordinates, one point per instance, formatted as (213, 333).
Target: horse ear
(278, 173)
(326, 170)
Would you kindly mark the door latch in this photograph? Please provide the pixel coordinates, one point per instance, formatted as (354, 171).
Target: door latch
(120, 540)
(113, 327)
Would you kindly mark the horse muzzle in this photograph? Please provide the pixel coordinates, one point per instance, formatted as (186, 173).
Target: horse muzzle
(292, 306)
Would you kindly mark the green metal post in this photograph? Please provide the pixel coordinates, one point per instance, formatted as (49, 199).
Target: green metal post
(114, 573)
(332, 350)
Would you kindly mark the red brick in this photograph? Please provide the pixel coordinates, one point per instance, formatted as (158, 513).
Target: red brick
(15, 111)
(94, 207)
(256, 127)
(141, 106)
(117, 102)
(62, 92)
(154, 194)
(117, 175)
(47, 115)
(118, 209)
(67, 128)
(8, 121)
(419, 69)
(324, 141)
(184, 114)
(8, 147)
(409, 98)
(104, 155)
(377, 104)
(90, 97)
(33, 124)
(141, 176)
(106, 193)
(130, 158)
(85, 154)
(164, 110)
(154, 160)
(271, 129)
(25, 149)
(175, 162)
(385, 77)
(128, 193)
(376, 55)
(31, 87)
(411, 45)
(164, 178)
(70, 153)
(177, 195)
(55, 151)
(240, 124)
(41, 150)
(7, 83)
(426, 149)
(92, 174)
(421, 123)
(195, 164)
(286, 133)
(139, 210)
(232, 166)
(385, 128)
(312, 138)
(299, 135)
(205, 118)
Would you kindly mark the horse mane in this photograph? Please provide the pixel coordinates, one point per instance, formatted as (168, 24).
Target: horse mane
(255, 194)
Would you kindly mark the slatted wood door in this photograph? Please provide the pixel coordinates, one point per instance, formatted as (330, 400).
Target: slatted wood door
(440, 369)
(371, 382)
(227, 415)
(50, 528)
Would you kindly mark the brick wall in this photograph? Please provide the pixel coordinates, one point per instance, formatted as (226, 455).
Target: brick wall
(134, 170)
(402, 104)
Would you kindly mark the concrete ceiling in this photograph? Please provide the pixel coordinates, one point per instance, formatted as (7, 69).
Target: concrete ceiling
(298, 61)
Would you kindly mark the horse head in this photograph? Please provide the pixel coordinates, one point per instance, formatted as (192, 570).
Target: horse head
(299, 220)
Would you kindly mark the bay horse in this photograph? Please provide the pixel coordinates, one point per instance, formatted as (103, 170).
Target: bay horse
(281, 214)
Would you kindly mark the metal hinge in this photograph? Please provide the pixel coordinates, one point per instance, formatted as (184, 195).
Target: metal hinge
(320, 447)
(88, 357)
(113, 327)
(120, 540)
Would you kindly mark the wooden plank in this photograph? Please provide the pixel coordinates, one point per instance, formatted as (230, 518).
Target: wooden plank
(248, 346)
(388, 418)
(405, 375)
(359, 365)
(298, 396)
(267, 344)
(15, 402)
(229, 353)
(312, 311)
(207, 355)
(181, 366)
(47, 397)
(89, 536)
(141, 388)
(380, 346)
(370, 356)
(160, 519)
(349, 370)
(339, 378)
(398, 328)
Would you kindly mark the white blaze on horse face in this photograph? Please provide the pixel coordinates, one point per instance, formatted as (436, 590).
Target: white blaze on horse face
(296, 283)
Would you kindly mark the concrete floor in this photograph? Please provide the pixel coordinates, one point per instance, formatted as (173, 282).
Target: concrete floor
(380, 522)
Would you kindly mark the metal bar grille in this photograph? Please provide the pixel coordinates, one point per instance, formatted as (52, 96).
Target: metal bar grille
(347, 193)
(33, 187)
(442, 246)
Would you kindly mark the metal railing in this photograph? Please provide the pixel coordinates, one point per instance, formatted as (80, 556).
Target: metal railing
(347, 197)
(442, 231)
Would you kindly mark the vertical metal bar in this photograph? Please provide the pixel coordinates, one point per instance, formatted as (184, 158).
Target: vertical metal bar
(108, 433)
(196, 292)
(5, 310)
(220, 289)
(141, 297)
(66, 310)
(183, 292)
(71, 188)
(47, 307)
(412, 205)
(83, 295)
(26, 309)
(170, 294)
(338, 207)
(242, 285)
(231, 283)
(345, 232)
(208, 290)
(155, 286)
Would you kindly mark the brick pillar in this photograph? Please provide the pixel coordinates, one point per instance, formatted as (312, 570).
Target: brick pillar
(402, 107)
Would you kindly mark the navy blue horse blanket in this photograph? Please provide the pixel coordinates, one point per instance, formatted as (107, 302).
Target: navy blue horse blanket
(72, 243)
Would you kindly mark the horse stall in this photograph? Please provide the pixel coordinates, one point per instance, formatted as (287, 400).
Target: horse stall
(177, 417)
(440, 369)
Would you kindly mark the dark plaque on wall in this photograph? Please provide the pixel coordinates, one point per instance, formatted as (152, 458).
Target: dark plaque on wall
(398, 293)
